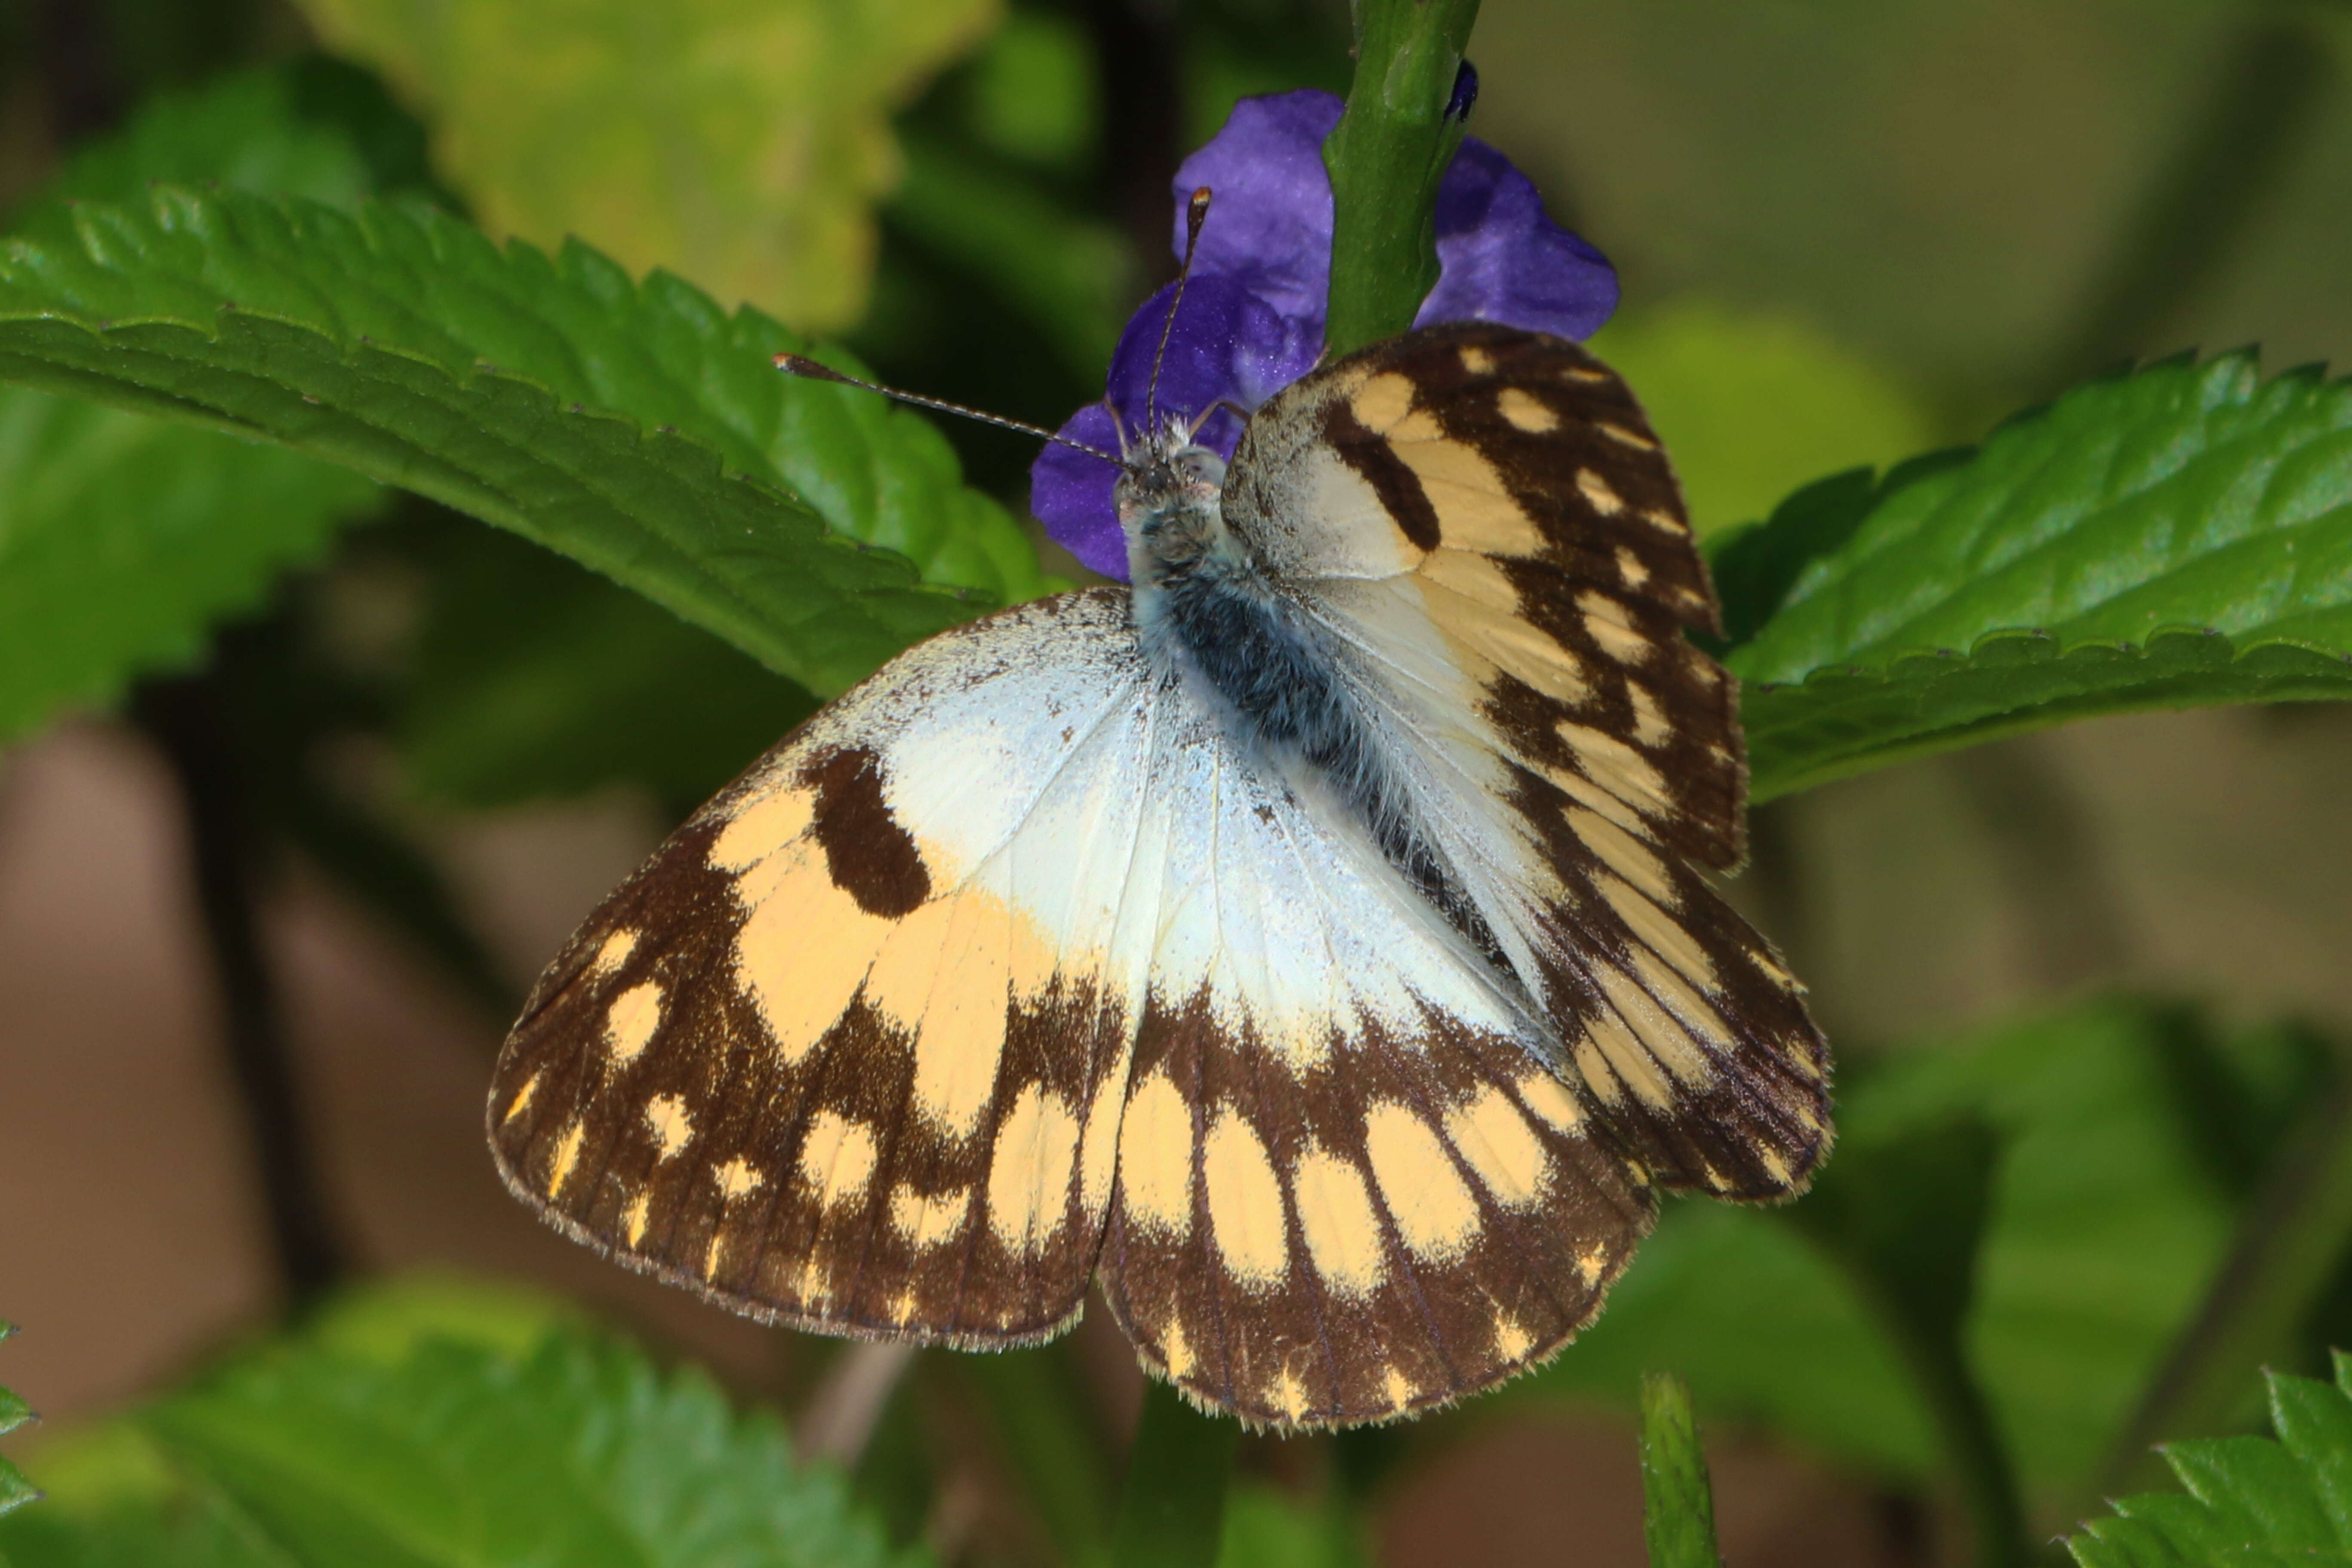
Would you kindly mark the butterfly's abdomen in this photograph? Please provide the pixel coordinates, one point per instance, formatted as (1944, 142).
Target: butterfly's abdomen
(1269, 671)
(1213, 619)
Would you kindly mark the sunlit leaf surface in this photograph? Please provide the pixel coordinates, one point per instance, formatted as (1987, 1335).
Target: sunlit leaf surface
(123, 538)
(2169, 539)
(636, 427)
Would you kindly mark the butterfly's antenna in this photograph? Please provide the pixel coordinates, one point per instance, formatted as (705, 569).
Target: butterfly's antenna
(801, 365)
(1223, 404)
(1196, 212)
(1126, 444)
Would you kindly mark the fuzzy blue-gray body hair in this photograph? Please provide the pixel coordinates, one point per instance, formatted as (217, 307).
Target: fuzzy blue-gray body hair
(1210, 613)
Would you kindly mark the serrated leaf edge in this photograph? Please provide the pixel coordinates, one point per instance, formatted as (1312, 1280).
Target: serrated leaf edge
(2238, 370)
(1992, 642)
(222, 219)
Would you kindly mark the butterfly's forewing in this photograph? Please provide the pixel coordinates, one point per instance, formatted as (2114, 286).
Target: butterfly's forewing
(849, 1052)
(1485, 522)
(1348, 1185)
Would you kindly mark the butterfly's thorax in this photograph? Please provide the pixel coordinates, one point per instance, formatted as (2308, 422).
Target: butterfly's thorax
(1209, 614)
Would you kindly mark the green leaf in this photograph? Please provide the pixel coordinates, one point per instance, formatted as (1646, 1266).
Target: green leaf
(581, 1454)
(2106, 1222)
(424, 1430)
(15, 1491)
(246, 131)
(1765, 1330)
(2274, 1288)
(1266, 1529)
(122, 539)
(2251, 1502)
(1752, 406)
(1036, 1400)
(1903, 1210)
(1179, 1473)
(534, 680)
(1756, 566)
(2176, 537)
(1677, 1504)
(636, 428)
(114, 1500)
(1905, 1206)
(740, 141)
(385, 1323)
(2106, 1225)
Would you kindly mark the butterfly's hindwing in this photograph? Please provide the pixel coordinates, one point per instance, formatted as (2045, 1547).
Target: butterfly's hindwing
(1691, 1038)
(1350, 1184)
(1416, 1218)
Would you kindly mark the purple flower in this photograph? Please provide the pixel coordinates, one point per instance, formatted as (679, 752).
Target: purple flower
(1253, 316)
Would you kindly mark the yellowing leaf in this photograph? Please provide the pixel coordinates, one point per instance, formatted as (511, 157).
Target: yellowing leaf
(739, 142)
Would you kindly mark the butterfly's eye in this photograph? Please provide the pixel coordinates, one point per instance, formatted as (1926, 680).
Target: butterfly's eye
(1201, 465)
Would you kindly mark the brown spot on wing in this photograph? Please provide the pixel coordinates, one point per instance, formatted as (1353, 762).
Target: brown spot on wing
(1398, 1227)
(872, 859)
(1372, 454)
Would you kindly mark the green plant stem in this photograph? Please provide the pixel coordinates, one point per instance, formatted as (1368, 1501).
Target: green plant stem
(1172, 1513)
(1677, 1504)
(1904, 1218)
(2289, 1246)
(1972, 1446)
(1386, 157)
(1045, 1435)
(184, 718)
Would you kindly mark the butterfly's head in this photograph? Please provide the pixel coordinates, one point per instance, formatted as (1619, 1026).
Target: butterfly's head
(1167, 501)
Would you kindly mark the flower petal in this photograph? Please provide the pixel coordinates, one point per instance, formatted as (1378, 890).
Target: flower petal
(1254, 313)
(1270, 213)
(1228, 345)
(1505, 261)
(1070, 492)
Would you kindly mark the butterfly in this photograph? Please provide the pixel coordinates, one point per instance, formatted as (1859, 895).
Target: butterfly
(1308, 944)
